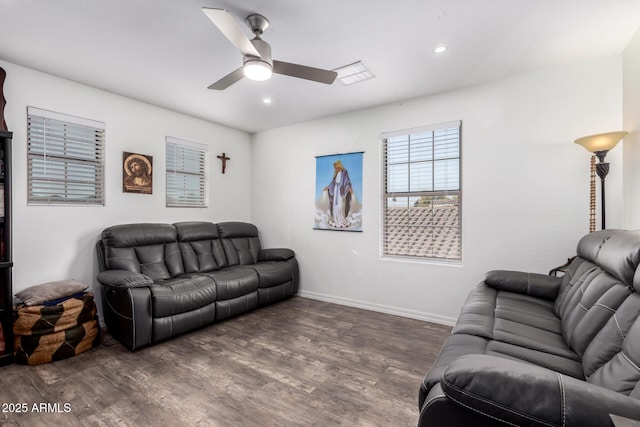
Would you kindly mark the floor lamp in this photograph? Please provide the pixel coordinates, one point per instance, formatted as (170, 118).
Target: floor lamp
(600, 145)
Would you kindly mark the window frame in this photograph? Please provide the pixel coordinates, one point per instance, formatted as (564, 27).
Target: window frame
(385, 251)
(183, 200)
(60, 159)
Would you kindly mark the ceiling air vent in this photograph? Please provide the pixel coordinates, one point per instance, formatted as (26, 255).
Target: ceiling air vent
(353, 73)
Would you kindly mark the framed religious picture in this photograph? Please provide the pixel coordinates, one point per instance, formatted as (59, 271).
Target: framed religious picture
(137, 173)
(339, 192)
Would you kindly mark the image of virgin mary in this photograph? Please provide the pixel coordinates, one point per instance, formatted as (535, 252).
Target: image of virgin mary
(338, 207)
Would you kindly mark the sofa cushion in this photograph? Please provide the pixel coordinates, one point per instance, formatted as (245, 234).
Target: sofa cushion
(200, 246)
(235, 281)
(612, 360)
(272, 273)
(608, 342)
(485, 306)
(181, 295)
(149, 249)
(190, 231)
(130, 235)
(566, 365)
(618, 254)
(240, 242)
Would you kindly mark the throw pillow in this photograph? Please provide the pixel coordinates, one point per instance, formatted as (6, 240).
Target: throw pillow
(39, 294)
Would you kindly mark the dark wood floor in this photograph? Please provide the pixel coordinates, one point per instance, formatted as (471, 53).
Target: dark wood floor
(300, 362)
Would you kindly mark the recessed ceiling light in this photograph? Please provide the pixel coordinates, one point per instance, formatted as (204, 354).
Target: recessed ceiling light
(266, 101)
(440, 49)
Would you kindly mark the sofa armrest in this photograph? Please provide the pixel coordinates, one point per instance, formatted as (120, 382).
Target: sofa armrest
(123, 279)
(533, 284)
(275, 254)
(521, 394)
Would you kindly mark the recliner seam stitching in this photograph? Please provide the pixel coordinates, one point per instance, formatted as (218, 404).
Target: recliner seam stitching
(488, 402)
(622, 335)
(562, 393)
(630, 361)
(480, 412)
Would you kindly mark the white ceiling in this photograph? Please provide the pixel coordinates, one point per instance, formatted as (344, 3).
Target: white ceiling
(166, 52)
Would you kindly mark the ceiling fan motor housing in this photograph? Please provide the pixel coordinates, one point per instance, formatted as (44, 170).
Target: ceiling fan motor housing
(263, 49)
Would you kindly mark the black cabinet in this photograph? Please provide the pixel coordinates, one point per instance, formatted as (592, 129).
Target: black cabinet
(6, 260)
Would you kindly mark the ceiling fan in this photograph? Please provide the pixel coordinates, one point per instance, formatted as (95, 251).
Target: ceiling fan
(257, 63)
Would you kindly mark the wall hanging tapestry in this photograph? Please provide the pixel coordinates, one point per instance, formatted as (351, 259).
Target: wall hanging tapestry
(339, 192)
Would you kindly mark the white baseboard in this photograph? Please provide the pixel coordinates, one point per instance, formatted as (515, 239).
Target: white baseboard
(412, 314)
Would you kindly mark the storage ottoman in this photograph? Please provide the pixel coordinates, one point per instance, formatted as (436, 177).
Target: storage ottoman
(45, 333)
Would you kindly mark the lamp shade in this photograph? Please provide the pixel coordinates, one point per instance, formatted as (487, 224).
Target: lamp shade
(601, 141)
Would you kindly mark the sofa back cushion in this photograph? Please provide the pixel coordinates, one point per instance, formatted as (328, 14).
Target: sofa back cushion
(612, 358)
(621, 372)
(599, 307)
(240, 242)
(574, 275)
(615, 251)
(151, 249)
(590, 305)
(201, 246)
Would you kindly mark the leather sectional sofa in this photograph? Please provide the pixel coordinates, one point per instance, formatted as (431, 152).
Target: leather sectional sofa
(539, 350)
(160, 280)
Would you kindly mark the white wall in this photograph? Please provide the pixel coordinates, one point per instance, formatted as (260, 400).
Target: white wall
(631, 108)
(525, 186)
(57, 242)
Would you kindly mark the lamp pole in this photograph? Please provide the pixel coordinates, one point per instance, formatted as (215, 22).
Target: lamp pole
(602, 169)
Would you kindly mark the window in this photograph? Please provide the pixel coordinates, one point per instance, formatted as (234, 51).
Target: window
(187, 165)
(422, 197)
(65, 156)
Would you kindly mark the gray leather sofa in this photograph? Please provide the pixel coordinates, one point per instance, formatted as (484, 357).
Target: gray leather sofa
(539, 350)
(160, 280)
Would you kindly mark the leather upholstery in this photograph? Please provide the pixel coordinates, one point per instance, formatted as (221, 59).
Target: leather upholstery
(521, 339)
(200, 246)
(241, 243)
(160, 280)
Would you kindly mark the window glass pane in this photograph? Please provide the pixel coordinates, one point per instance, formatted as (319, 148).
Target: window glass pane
(398, 150)
(186, 174)
(422, 201)
(446, 175)
(421, 147)
(421, 176)
(65, 159)
(398, 178)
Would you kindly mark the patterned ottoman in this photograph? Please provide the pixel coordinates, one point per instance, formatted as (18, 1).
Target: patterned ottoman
(47, 333)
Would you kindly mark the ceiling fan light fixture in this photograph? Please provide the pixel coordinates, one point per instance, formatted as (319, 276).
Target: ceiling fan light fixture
(257, 69)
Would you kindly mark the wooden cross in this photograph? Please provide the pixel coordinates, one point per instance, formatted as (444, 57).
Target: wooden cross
(224, 159)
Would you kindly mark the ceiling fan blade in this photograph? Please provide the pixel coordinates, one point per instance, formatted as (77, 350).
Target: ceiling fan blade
(230, 28)
(228, 80)
(304, 72)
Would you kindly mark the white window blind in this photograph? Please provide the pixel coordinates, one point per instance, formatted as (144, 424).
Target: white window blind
(187, 165)
(422, 194)
(65, 156)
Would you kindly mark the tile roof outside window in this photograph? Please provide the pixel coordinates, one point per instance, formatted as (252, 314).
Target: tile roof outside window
(422, 193)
